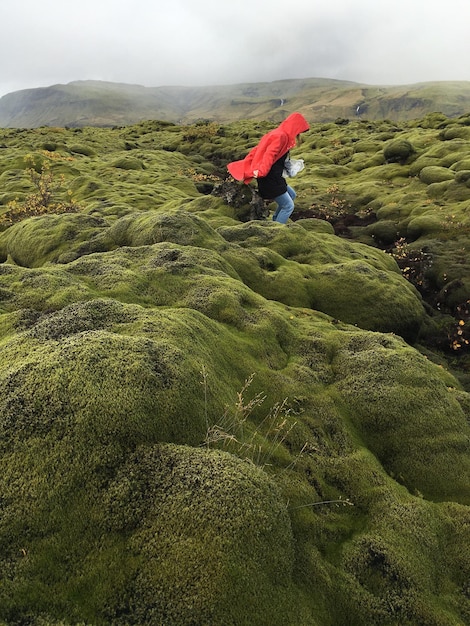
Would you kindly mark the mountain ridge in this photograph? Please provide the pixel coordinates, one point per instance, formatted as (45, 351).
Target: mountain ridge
(99, 103)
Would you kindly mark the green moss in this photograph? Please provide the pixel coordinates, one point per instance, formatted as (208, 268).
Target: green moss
(82, 149)
(361, 162)
(367, 145)
(252, 549)
(316, 225)
(59, 238)
(462, 177)
(395, 426)
(179, 227)
(423, 225)
(433, 120)
(435, 174)
(423, 162)
(454, 132)
(344, 290)
(334, 171)
(142, 479)
(128, 164)
(319, 280)
(463, 164)
(124, 369)
(398, 151)
(458, 190)
(384, 232)
(39, 290)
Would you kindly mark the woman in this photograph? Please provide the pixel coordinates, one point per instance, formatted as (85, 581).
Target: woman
(265, 162)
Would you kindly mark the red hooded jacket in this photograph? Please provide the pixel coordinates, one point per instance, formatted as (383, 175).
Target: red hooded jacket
(270, 148)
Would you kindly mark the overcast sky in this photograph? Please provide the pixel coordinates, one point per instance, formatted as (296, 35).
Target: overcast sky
(212, 42)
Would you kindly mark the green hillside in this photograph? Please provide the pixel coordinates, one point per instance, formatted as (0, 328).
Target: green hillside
(95, 103)
(216, 420)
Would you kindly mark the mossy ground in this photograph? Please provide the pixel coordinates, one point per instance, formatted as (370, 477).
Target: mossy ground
(209, 421)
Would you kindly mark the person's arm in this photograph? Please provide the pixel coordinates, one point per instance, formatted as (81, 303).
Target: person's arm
(263, 159)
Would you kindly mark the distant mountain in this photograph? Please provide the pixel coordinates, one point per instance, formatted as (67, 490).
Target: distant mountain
(96, 103)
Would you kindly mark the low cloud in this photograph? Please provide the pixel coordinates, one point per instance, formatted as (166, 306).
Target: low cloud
(209, 42)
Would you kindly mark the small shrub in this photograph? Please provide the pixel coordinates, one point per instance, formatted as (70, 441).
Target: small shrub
(201, 130)
(45, 197)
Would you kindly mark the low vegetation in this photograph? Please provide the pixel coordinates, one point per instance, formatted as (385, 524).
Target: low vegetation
(207, 419)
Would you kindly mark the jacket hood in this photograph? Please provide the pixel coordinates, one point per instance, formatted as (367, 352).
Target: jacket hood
(293, 125)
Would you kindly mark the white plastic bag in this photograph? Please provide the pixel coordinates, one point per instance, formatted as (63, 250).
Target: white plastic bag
(293, 167)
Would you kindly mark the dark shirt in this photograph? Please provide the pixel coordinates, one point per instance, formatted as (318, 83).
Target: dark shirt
(273, 184)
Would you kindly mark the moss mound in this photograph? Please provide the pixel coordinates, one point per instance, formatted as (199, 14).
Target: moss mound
(249, 554)
(377, 415)
(180, 227)
(160, 526)
(134, 410)
(398, 151)
(435, 174)
(57, 238)
(303, 268)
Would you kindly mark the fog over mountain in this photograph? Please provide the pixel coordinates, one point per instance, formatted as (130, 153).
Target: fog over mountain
(98, 103)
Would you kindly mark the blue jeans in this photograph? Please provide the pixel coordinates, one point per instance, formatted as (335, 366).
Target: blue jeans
(285, 206)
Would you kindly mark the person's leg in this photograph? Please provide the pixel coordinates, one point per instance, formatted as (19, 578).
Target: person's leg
(285, 206)
(291, 192)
